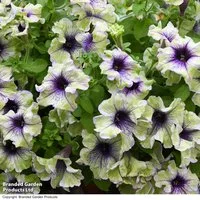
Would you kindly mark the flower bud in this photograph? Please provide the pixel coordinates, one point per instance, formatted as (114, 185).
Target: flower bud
(116, 30)
(183, 7)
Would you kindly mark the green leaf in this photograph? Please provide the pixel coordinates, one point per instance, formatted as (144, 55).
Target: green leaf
(103, 185)
(87, 122)
(86, 104)
(40, 47)
(88, 175)
(189, 105)
(42, 2)
(138, 8)
(21, 79)
(183, 92)
(67, 140)
(141, 28)
(194, 167)
(60, 3)
(50, 4)
(77, 112)
(35, 66)
(46, 13)
(75, 147)
(126, 189)
(97, 94)
(158, 90)
(58, 138)
(186, 26)
(177, 157)
(75, 129)
(49, 143)
(50, 152)
(167, 100)
(128, 25)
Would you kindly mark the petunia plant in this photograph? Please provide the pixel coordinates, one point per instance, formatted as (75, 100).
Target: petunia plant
(100, 96)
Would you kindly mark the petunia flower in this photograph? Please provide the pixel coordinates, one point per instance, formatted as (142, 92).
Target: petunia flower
(168, 34)
(183, 7)
(8, 12)
(196, 27)
(95, 41)
(14, 158)
(194, 81)
(132, 171)
(5, 2)
(90, 14)
(185, 136)
(100, 154)
(119, 66)
(139, 87)
(197, 6)
(190, 155)
(181, 57)
(64, 175)
(7, 85)
(161, 119)
(19, 28)
(136, 169)
(91, 2)
(118, 115)
(58, 170)
(196, 99)
(22, 126)
(65, 45)
(177, 180)
(32, 13)
(172, 78)
(24, 181)
(18, 101)
(6, 49)
(174, 2)
(61, 118)
(59, 87)
(150, 56)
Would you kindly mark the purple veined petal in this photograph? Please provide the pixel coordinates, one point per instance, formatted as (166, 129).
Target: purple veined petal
(178, 184)
(70, 44)
(135, 88)
(119, 64)
(169, 36)
(15, 127)
(11, 105)
(21, 27)
(183, 7)
(181, 56)
(97, 2)
(60, 83)
(3, 47)
(88, 43)
(17, 123)
(103, 151)
(60, 167)
(29, 14)
(9, 148)
(196, 27)
(123, 120)
(159, 118)
(187, 134)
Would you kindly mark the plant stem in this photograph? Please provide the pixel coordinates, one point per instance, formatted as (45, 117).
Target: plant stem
(27, 49)
(126, 17)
